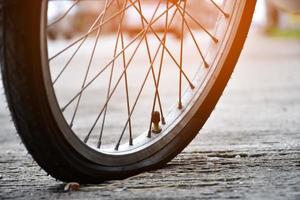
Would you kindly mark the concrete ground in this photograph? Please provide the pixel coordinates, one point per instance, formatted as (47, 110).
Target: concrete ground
(248, 149)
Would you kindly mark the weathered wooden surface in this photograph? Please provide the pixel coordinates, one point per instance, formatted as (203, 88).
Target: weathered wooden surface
(249, 148)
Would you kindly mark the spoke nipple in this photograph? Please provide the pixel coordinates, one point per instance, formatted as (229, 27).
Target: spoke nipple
(206, 65)
(155, 122)
(163, 121)
(192, 86)
(149, 134)
(99, 145)
(130, 142)
(215, 40)
(226, 15)
(180, 105)
(117, 147)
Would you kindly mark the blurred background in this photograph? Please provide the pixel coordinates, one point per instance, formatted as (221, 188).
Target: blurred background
(269, 18)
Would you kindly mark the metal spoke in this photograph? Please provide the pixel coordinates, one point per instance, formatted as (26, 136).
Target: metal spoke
(220, 9)
(127, 65)
(127, 92)
(92, 30)
(194, 39)
(168, 51)
(160, 67)
(100, 17)
(64, 15)
(89, 65)
(142, 87)
(150, 60)
(181, 57)
(136, 100)
(199, 24)
(111, 75)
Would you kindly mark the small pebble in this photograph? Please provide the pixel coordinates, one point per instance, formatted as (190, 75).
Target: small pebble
(237, 156)
(213, 158)
(120, 189)
(72, 186)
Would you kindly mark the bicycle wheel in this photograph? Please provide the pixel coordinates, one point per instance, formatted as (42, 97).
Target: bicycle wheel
(128, 91)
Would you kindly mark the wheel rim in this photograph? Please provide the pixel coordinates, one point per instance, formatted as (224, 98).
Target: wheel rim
(145, 143)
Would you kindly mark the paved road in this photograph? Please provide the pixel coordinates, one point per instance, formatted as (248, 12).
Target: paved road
(248, 149)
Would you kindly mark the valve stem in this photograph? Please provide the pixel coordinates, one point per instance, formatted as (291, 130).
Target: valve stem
(155, 119)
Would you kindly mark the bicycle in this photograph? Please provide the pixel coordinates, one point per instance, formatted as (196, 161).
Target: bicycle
(65, 107)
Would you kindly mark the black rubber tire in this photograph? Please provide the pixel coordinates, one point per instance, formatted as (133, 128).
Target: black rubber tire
(26, 96)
